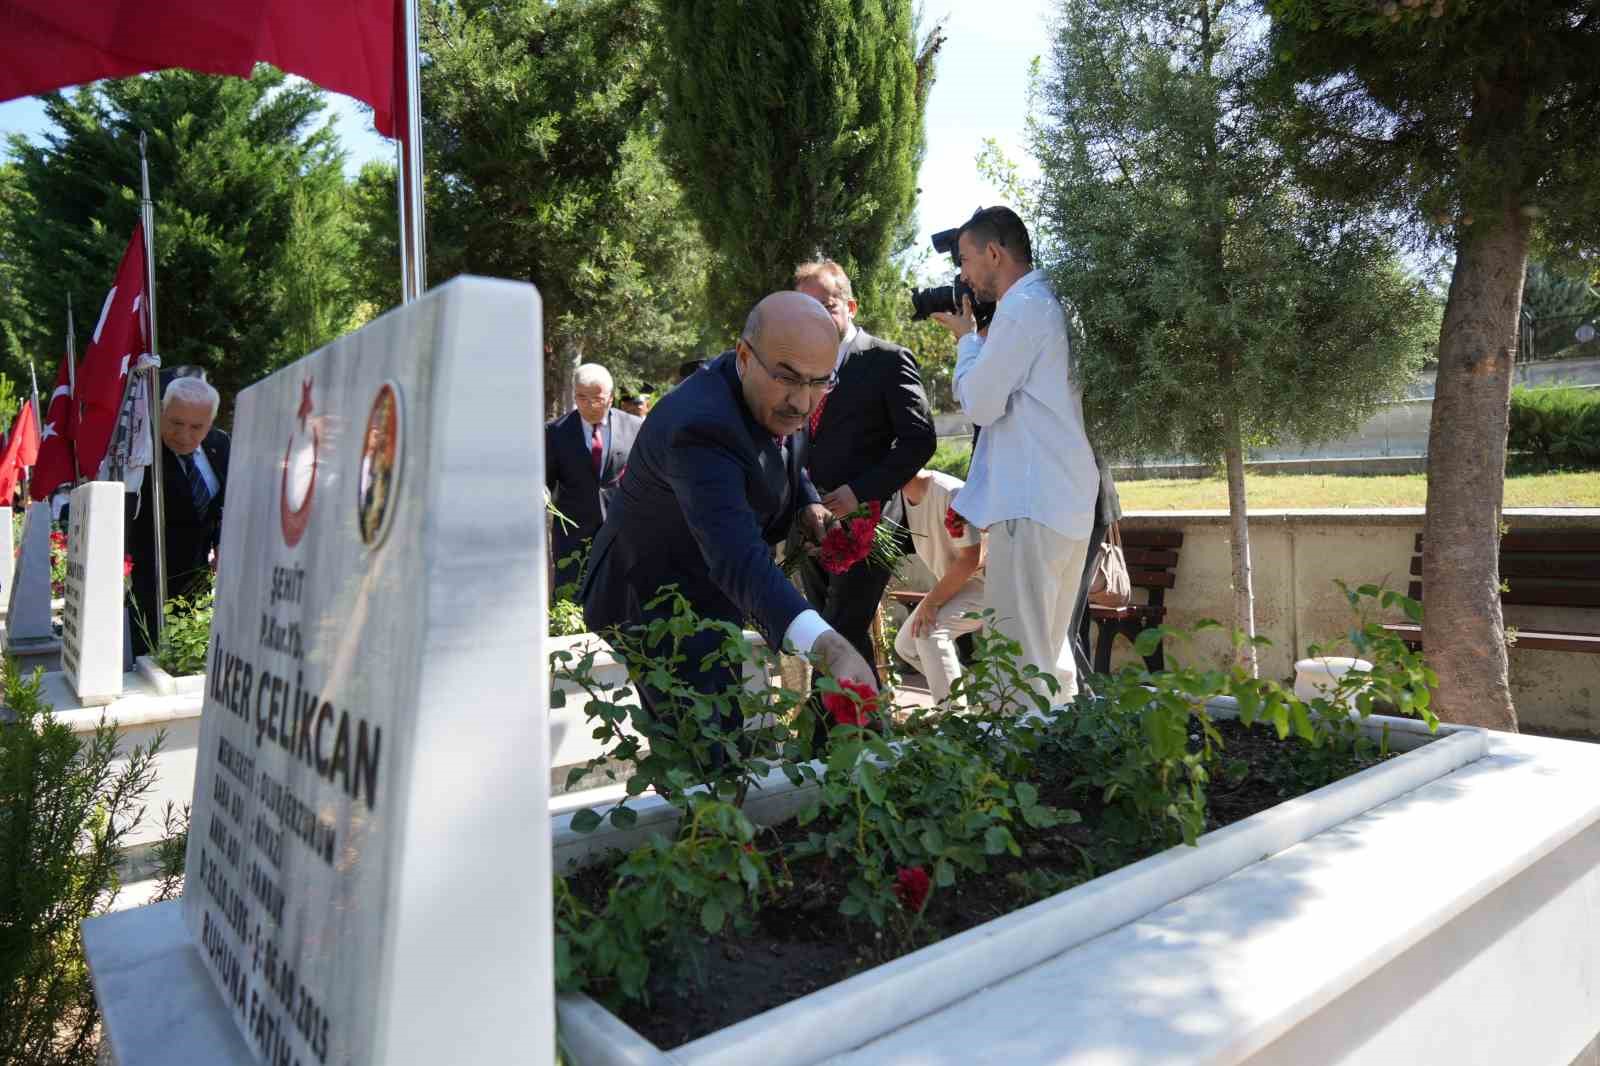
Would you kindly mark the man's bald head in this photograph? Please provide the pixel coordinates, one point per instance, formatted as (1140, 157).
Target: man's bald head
(785, 314)
(786, 352)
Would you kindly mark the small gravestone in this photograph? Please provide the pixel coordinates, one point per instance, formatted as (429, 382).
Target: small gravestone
(368, 876)
(8, 556)
(28, 627)
(91, 613)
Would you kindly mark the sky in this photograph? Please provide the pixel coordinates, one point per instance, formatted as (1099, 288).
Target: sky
(980, 91)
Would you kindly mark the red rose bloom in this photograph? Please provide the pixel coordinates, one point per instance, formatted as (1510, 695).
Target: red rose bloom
(127, 565)
(911, 887)
(954, 524)
(58, 539)
(846, 711)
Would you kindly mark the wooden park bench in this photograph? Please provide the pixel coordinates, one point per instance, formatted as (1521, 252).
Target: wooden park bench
(1556, 569)
(1152, 556)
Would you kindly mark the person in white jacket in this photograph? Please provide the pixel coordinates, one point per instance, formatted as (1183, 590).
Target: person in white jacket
(1033, 481)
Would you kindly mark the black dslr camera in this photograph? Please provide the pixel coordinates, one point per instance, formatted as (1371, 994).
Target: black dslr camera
(925, 302)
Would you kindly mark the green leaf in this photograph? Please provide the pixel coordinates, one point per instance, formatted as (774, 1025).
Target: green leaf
(850, 906)
(585, 821)
(712, 916)
(624, 817)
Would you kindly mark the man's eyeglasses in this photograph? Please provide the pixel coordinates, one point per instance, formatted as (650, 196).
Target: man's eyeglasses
(790, 381)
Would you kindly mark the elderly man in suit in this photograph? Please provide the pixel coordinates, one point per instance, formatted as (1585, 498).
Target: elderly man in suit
(585, 452)
(713, 482)
(194, 480)
(868, 437)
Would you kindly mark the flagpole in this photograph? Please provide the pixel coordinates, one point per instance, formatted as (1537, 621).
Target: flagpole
(413, 254)
(37, 422)
(147, 216)
(72, 393)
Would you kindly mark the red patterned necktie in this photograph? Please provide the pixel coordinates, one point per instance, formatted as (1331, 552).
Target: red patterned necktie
(597, 450)
(816, 415)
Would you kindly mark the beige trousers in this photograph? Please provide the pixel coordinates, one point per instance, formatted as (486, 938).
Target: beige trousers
(934, 655)
(1032, 577)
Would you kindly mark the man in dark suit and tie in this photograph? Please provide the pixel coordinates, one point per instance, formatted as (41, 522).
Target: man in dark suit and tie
(585, 452)
(869, 437)
(194, 480)
(713, 483)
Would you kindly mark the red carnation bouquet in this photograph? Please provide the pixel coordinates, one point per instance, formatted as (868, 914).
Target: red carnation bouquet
(862, 534)
(954, 524)
(846, 711)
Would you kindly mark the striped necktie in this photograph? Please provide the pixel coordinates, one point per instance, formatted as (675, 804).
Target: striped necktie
(199, 491)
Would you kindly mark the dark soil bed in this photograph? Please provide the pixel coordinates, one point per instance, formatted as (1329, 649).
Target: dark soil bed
(803, 944)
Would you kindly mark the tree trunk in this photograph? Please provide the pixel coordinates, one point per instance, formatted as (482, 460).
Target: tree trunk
(1244, 607)
(1466, 638)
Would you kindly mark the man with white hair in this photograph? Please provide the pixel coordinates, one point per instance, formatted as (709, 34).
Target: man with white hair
(585, 452)
(194, 480)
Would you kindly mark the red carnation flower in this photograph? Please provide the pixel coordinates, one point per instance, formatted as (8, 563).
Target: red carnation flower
(954, 524)
(846, 711)
(911, 887)
(127, 565)
(58, 539)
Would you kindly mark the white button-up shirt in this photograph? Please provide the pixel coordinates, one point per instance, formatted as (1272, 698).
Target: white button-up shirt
(1033, 458)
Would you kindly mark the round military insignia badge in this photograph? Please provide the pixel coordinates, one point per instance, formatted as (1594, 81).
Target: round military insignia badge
(298, 486)
(380, 466)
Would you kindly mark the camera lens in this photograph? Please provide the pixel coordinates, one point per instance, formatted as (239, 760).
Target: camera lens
(925, 302)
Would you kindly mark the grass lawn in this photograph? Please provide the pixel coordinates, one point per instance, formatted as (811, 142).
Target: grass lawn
(1276, 491)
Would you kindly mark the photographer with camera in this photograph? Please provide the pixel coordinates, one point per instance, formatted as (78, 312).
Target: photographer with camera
(1034, 483)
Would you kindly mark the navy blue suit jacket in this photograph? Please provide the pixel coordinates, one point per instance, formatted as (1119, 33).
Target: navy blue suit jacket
(706, 493)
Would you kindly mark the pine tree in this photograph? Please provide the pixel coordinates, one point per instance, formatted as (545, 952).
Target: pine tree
(796, 130)
(1223, 307)
(253, 242)
(540, 134)
(1475, 122)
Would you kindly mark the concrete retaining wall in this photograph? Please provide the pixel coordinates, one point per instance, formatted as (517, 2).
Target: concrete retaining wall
(1297, 555)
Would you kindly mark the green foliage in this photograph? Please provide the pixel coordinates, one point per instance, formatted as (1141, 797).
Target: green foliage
(254, 245)
(796, 130)
(540, 134)
(65, 811)
(932, 801)
(951, 794)
(954, 457)
(1554, 429)
(1448, 112)
(668, 895)
(566, 618)
(1223, 307)
(186, 633)
(692, 738)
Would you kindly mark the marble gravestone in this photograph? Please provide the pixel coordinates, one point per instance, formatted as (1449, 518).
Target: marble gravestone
(91, 614)
(28, 626)
(8, 556)
(368, 873)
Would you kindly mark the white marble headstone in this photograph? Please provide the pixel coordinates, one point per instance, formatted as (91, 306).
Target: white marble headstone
(368, 876)
(28, 625)
(91, 613)
(8, 556)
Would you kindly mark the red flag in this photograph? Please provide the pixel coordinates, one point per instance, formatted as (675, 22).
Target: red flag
(344, 45)
(116, 346)
(54, 466)
(26, 427)
(22, 448)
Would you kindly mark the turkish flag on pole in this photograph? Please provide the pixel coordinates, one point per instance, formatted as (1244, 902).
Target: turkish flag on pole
(348, 46)
(22, 448)
(117, 343)
(54, 466)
